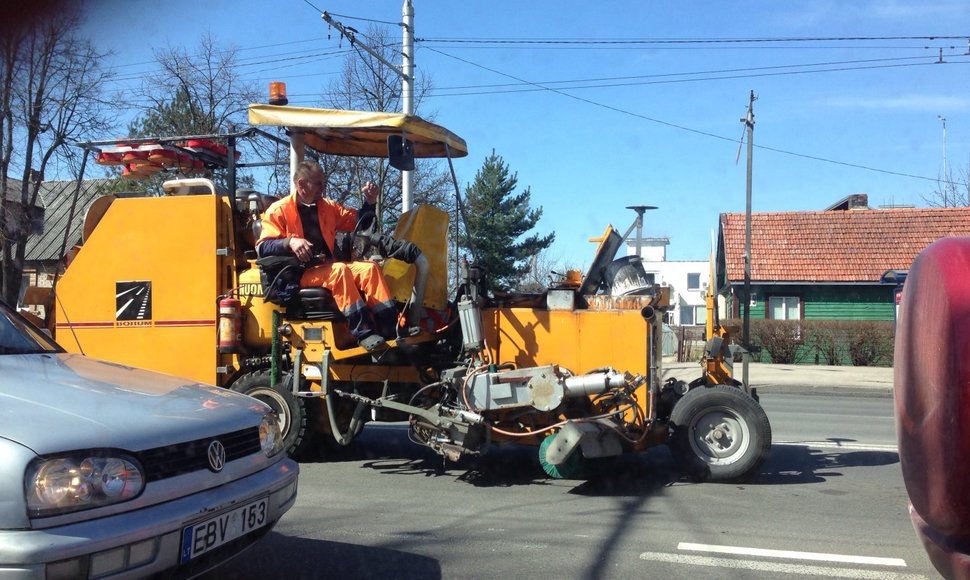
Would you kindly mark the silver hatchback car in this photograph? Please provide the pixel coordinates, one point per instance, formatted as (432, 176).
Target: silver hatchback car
(108, 471)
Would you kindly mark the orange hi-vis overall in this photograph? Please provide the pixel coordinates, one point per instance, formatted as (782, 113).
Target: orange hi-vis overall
(358, 288)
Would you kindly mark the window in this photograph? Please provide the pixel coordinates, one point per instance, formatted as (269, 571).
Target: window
(700, 315)
(692, 315)
(694, 281)
(686, 316)
(784, 308)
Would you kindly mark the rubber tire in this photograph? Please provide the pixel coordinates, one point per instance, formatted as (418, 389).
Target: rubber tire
(732, 409)
(292, 411)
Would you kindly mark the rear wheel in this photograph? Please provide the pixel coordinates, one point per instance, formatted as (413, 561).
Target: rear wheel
(720, 433)
(291, 411)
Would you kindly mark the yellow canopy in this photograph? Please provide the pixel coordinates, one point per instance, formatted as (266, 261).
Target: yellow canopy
(359, 133)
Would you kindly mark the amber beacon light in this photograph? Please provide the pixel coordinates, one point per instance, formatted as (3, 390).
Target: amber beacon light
(277, 93)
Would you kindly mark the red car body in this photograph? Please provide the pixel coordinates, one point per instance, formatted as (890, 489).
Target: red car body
(932, 399)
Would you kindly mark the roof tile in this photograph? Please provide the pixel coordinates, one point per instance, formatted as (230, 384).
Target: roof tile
(835, 246)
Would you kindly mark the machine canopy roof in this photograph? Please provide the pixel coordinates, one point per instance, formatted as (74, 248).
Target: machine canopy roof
(359, 133)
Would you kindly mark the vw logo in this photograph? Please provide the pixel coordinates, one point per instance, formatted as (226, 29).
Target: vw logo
(217, 456)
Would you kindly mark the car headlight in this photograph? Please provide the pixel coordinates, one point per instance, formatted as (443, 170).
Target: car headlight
(56, 485)
(270, 436)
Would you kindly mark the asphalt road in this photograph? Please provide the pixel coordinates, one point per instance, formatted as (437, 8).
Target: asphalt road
(830, 420)
(829, 502)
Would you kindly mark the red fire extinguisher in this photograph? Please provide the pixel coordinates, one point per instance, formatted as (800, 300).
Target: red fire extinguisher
(230, 325)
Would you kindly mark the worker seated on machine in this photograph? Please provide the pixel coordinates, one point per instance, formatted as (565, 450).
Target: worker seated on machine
(304, 224)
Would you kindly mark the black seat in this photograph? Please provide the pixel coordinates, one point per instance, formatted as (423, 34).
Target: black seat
(314, 304)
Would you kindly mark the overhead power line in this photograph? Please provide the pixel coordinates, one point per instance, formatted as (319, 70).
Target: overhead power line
(752, 47)
(634, 80)
(690, 80)
(680, 127)
(292, 58)
(649, 41)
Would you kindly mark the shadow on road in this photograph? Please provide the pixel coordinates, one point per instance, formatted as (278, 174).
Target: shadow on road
(789, 464)
(385, 448)
(640, 474)
(279, 556)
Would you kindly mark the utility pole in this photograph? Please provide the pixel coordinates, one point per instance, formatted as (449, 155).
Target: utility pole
(406, 73)
(407, 91)
(748, 121)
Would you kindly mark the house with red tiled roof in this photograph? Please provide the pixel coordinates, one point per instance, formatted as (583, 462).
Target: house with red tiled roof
(828, 264)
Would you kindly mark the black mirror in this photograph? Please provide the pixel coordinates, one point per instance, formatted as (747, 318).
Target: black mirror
(400, 153)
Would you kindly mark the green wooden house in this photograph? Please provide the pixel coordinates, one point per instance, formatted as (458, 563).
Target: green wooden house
(827, 265)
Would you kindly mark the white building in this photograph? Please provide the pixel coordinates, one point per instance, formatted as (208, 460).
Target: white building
(688, 281)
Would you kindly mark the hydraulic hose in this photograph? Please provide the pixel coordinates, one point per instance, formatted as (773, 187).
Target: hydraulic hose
(356, 425)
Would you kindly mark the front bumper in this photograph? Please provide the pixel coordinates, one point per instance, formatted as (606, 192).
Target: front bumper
(951, 559)
(146, 541)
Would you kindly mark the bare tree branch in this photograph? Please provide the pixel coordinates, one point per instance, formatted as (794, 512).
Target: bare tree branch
(197, 93)
(951, 192)
(50, 84)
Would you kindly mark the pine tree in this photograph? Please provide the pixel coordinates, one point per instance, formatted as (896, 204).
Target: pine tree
(496, 218)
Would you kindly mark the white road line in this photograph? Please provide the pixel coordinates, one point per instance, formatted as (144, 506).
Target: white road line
(840, 445)
(120, 294)
(790, 555)
(777, 567)
(122, 309)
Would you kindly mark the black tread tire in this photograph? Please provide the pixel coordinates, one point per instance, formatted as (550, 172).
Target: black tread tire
(293, 413)
(734, 410)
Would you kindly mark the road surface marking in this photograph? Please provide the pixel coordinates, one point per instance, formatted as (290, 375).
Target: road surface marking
(122, 309)
(790, 555)
(120, 294)
(778, 567)
(840, 445)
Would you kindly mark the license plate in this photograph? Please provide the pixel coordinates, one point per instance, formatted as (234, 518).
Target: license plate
(209, 534)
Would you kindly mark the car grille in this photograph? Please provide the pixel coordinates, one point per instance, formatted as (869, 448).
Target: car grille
(172, 460)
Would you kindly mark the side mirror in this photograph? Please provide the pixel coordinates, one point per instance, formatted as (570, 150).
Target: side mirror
(400, 153)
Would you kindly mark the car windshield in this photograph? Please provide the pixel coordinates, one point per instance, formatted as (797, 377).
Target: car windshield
(17, 336)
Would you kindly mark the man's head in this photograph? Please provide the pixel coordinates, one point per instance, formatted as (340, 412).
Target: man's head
(309, 181)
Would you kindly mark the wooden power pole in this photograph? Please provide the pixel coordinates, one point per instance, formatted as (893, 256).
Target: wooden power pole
(748, 121)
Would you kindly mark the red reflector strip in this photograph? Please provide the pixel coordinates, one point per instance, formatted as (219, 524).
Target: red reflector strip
(112, 324)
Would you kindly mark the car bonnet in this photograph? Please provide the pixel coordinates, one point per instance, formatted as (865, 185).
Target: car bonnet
(58, 402)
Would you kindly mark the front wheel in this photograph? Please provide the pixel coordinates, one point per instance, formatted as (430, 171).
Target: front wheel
(719, 433)
(291, 410)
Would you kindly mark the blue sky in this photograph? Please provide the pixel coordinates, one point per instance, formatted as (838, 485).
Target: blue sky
(648, 96)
